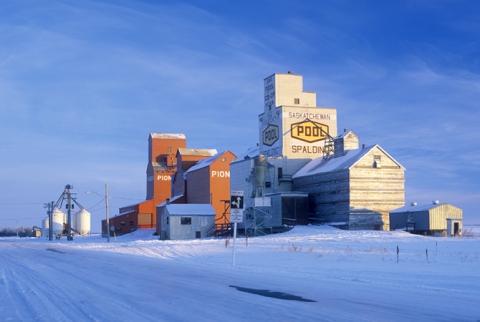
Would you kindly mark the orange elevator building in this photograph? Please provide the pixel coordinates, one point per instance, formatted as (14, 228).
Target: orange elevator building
(162, 164)
(209, 182)
(169, 166)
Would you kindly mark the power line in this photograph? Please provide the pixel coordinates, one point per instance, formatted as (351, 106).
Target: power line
(21, 204)
(19, 218)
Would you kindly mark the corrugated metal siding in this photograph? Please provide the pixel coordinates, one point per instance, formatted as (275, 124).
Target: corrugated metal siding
(177, 231)
(422, 221)
(276, 210)
(398, 220)
(439, 215)
(239, 171)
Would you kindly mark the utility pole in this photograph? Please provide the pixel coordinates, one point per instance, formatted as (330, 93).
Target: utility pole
(49, 207)
(107, 221)
(50, 224)
(69, 207)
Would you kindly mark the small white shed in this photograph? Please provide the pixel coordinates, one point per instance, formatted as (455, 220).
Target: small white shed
(186, 221)
(454, 227)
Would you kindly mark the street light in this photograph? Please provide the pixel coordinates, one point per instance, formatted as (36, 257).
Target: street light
(107, 222)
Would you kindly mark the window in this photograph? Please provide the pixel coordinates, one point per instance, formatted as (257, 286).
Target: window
(169, 149)
(122, 223)
(377, 161)
(131, 223)
(223, 159)
(168, 220)
(296, 101)
(280, 173)
(185, 220)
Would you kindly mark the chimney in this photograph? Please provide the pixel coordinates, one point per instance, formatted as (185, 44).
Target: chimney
(435, 202)
(413, 204)
(167, 201)
(363, 146)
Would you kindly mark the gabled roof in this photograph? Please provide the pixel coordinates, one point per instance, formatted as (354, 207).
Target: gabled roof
(158, 166)
(410, 208)
(206, 162)
(171, 200)
(347, 161)
(168, 136)
(190, 210)
(344, 133)
(199, 152)
(249, 154)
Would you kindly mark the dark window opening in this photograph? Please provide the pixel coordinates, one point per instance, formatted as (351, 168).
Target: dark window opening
(185, 220)
(377, 161)
(280, 173)
(122, 223)
(131, 223)
(296, 100)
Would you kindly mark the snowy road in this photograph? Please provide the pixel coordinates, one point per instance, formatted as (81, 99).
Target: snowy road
(346, 276)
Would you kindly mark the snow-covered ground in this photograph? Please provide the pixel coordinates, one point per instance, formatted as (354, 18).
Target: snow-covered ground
(315, 273)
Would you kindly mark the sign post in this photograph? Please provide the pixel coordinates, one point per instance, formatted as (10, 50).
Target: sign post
(236, 215)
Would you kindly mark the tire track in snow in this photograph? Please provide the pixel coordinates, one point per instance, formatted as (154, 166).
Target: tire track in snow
(38, 287)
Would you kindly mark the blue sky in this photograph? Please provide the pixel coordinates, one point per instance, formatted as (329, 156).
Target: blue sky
(83, 83)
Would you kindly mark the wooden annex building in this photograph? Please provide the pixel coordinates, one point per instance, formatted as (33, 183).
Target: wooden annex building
(355, 188)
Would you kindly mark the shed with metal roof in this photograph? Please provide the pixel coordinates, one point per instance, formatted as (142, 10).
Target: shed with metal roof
(186, 221)
(427, 219)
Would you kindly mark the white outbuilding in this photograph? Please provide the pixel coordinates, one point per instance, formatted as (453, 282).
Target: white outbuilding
(186, 221)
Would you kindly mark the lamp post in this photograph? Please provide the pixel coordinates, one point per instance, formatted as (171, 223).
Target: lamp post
(107, 221)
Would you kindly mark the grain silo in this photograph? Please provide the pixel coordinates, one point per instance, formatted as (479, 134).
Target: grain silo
(58, 221)
(45, 226)
(82, 222)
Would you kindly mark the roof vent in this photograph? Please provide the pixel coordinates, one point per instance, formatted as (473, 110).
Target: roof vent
(363, 146)
(435, 202)
(413, 203)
